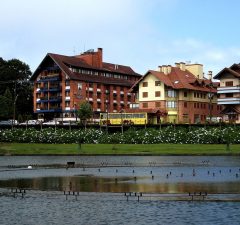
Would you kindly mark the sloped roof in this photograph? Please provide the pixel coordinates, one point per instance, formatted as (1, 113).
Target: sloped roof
(64, 62)
(101, 79)
(234, 70)
(179, 79)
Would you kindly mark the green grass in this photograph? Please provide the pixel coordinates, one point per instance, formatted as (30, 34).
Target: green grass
(117, 149)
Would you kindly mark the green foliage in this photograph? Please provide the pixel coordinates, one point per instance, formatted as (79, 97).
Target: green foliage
(85, 111)
(6, 102)
(14, 76)
(142, 136)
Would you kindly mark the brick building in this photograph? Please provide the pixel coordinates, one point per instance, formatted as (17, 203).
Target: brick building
(177, 94)
(62, 82)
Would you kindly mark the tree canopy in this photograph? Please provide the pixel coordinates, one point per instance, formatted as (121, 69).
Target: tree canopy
(14, 78)
(85, 111)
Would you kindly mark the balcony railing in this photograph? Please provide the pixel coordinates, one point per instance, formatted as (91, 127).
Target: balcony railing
(232, 89)
(228, 101)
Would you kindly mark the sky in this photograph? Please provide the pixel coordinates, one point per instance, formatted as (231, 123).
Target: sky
(142, 34)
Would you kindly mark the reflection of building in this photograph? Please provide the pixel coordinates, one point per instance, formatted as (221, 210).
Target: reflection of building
(229, 93)
(62, 82)
(177, 94)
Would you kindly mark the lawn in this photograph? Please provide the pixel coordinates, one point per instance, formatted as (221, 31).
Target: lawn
(118, 149)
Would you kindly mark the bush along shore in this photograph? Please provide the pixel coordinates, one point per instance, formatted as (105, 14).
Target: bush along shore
(166, 135)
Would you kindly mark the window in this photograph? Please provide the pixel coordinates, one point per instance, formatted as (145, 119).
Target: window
(185, 104)
(157, 104)
(229, 83)
(171, 93)
(157, 93)
(145, 84)
(79, 86)
(157, 83)
(67, 83)
(171, 104)
(229, 95)
(145, 94)
(67, 104)
(185, 94)
(145, 105)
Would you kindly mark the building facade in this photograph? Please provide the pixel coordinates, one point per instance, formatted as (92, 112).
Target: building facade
(229, 93)
(177, 94)
(61, 83)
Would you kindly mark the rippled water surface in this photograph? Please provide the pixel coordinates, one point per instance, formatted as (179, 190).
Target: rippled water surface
(102, 181)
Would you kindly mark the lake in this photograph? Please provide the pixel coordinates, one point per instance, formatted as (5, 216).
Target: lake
(101, 183)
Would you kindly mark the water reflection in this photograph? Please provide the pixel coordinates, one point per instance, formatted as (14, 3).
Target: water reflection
(123, 184)
(124, 174)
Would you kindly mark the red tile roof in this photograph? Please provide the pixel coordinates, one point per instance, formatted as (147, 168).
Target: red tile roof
(101, 79)
(179, 79)
(64, 62)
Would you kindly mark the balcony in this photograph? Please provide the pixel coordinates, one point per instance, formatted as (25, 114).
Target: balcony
(98, 110)
(233, 89)
(122, 102)
(121, 92)
(98, 90)
(67, 108)
(67, 87)
(67, 98)
(89, 99)
(114, 92)
(228, 101)
(89, 89)
(49, 77)
(98, 100)
(55, 99)
(55, 88)
(114, 101)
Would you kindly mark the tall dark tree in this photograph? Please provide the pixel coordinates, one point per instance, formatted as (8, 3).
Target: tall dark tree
(14, 75)
(6, 102)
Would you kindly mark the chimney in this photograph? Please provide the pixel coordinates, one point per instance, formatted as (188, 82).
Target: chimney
(182, 66)
(100, 58)
(159, 68)
(210, 75)
(177, 65)
(169, 68)
(164, 69)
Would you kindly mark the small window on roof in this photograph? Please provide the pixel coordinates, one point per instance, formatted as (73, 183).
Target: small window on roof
(176, 81)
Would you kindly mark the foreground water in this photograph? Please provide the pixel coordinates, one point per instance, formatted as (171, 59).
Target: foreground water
(102, 181)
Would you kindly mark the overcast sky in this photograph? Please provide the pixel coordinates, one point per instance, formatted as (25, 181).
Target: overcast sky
(139, 33)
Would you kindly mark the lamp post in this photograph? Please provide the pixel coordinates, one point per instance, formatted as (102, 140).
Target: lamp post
(121, 111)
(107, 105)
(75, 111)
(210, 96)
(107, 116)
(14, 103)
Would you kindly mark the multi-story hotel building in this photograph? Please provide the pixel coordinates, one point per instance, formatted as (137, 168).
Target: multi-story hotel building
(229, 93)
(177, 94)
(62, 82)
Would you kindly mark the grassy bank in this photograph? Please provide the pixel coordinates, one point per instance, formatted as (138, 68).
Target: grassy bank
(118, 149)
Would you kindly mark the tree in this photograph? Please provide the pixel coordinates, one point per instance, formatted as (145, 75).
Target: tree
(84, 112)
(6, 102)
(14, 75)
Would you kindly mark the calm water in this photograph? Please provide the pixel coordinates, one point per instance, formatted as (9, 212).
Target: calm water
(101, 182)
